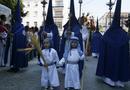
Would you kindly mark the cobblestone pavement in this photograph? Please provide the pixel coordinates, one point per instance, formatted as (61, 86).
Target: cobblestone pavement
(29, 78)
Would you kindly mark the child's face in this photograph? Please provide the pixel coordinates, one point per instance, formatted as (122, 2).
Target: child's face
(74, 44)
(46, 44)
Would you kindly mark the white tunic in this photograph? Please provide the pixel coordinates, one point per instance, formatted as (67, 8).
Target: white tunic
(50, 77)
(72, 70)
(85, 34)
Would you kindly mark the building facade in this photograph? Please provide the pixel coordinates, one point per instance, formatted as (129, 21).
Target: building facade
(104, 21)
(35, 12)
(58, 14)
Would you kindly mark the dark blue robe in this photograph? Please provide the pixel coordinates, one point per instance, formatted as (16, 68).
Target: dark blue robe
(18, 59)
(96, 40)
(114, 61)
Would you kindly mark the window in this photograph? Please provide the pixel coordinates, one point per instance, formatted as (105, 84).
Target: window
(28, 5)
(36, 4)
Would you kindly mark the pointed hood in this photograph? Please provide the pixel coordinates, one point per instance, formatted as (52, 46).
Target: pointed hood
(49, 18)
(18, 12)
(115, 35)
(97, 27)
(72, 10)
(72, 18)
(19, 40)
(17, 26)
(117, 15)
(96, 40)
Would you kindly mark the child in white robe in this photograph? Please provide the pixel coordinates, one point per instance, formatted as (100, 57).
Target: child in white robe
(72, 79)
(49, 76)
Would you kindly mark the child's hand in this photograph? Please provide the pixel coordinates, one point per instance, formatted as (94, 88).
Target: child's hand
(61, 62)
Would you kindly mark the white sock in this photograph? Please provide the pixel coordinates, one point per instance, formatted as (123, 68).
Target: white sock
(120, 84)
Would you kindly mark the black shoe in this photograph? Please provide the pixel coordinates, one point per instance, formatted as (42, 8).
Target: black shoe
(13, 70)
(16, 70)
(95, 56)
(10, 70)
(2, 66)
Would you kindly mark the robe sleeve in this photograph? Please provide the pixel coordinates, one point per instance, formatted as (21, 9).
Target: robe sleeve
(41, 60)
(61, 62)
(84, 32)
(82, 57)
(55, 56)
